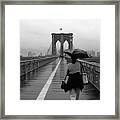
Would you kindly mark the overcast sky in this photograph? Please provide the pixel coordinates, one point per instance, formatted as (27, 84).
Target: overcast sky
(35, 35)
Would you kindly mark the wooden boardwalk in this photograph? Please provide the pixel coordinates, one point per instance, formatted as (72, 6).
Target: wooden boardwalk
(45, 83)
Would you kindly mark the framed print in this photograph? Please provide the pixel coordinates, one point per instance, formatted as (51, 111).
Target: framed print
(59, 59)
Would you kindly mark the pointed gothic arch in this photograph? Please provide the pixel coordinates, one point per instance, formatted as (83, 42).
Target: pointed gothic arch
(66, 45)
(62, 37)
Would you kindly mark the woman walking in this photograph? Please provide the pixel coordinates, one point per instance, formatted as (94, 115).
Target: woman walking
(74, 75)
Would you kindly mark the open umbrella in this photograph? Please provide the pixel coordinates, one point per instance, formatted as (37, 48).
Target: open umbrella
(68, 52)
(78, 53)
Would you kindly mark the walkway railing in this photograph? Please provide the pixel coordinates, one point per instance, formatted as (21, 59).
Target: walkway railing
(93, 72)
(27, 66)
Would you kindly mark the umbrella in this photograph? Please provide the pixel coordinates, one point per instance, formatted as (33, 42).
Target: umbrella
(78, 53)
(68, 52)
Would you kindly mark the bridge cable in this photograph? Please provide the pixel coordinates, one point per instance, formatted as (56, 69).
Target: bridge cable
(49, 48)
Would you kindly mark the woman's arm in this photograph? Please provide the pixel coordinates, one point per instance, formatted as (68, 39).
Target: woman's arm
(67, 75)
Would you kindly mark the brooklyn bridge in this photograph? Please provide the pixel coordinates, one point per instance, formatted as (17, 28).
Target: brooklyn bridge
(41, 76)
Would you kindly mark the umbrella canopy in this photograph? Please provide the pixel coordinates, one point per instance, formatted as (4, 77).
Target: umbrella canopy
(77, 53)
(80, 53)
(68, 52)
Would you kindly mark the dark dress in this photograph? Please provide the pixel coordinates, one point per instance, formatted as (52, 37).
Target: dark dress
(75, 81)
(75, 76)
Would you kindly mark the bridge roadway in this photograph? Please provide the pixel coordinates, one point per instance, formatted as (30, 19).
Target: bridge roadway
(44, 84)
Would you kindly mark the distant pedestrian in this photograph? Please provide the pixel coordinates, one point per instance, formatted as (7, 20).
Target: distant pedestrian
(74, 75)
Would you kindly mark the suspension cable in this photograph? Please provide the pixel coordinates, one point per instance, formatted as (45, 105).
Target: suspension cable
(49, 48)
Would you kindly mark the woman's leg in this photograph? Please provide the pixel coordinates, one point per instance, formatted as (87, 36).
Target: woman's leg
(77, 91)
(72, 94)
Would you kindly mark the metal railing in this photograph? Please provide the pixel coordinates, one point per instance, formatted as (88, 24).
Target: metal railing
(93, 72)
(27, 66)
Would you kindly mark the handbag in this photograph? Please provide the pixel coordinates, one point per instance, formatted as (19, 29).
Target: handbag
(85, 78)
(64, 86)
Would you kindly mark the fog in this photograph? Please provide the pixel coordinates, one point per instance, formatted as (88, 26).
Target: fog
(35, 35)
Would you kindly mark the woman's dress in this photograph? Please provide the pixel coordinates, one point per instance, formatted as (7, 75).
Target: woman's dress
(75, 76)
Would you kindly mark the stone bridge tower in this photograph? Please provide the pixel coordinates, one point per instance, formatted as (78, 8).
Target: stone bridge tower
(62, 37)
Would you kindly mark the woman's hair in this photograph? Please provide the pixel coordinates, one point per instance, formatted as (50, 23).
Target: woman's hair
(74, 58)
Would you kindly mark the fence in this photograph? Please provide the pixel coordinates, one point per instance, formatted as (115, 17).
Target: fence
(93, 72)
(27, 66)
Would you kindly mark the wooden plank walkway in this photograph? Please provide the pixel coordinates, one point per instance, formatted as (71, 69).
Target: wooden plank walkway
(37, 80)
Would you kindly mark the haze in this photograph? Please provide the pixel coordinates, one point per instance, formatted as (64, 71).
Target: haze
(35, 35)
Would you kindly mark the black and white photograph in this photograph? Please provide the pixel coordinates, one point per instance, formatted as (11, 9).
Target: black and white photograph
(60, 55)
(60, 59)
